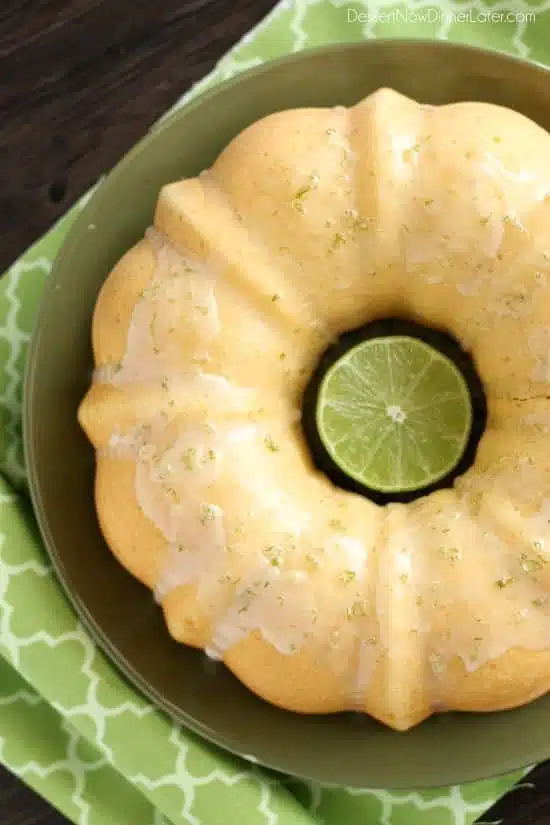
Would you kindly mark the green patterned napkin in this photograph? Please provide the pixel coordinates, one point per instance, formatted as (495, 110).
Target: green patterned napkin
(70, 726)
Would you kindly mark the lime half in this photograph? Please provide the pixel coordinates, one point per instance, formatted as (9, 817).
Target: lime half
(394, 414)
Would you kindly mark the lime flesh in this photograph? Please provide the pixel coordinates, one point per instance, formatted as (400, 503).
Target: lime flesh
(394, 414)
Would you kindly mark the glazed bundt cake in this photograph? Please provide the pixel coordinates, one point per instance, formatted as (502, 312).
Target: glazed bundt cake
(311, 223)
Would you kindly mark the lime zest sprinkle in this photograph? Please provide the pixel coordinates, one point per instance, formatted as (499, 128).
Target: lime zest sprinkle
(274, 554)
(208, 513)
(451, 553)
(338, 239)
(356, 610)
(348, 576)
(228, 578)
(189, 458)
(531, 565)
(248, 596)
(271, 445)
(410, 151)
(305, 190)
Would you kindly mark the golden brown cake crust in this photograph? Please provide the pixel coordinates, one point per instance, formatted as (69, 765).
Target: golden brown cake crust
(313, 222)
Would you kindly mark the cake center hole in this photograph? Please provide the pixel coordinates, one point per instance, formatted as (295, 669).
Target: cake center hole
(394, 411)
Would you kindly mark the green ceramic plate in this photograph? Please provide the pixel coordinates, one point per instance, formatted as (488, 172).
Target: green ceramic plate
(120, 613)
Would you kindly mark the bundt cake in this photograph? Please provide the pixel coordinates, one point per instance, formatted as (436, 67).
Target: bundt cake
(313, 222)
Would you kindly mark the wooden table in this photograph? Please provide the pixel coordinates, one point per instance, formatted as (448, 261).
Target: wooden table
(80, 83)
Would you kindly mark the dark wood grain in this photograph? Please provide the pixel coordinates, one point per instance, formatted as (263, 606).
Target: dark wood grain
(80, 83)
(82, 80)
(526, 804)
(20, 806)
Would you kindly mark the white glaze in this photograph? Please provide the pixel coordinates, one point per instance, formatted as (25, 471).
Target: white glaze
(281, 603)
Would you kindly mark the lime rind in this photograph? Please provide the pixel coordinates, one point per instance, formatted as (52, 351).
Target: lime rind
(394, 414)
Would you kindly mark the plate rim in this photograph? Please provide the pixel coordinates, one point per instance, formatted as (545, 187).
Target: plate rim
(84, 217)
